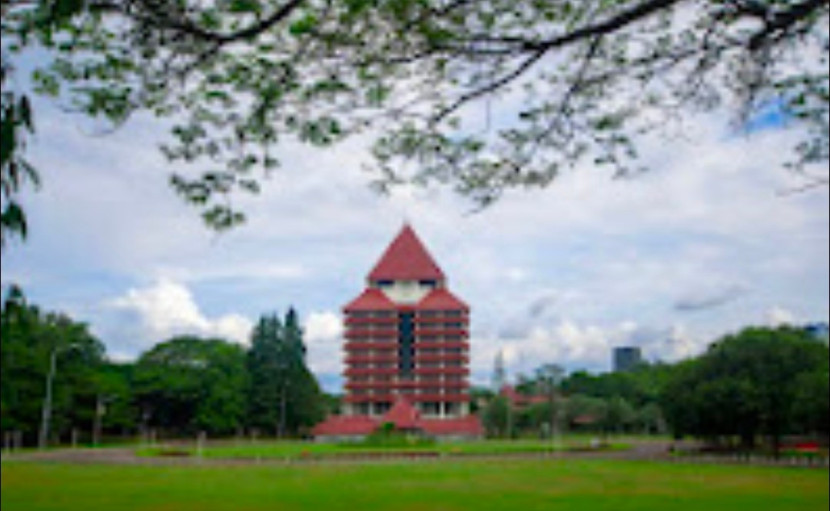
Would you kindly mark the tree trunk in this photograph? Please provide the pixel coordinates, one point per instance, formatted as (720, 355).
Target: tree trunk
(281, 426)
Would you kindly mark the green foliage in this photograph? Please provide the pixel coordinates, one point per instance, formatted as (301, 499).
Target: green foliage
(283, 396)
(332, 403)
(496, 418)
(113, 384)
(238, 78)
(187, 384)
(29, 338)
(760, 381)
(16, 123)
(602, 403)
(585, 413)
(386, 436)
(181, 386)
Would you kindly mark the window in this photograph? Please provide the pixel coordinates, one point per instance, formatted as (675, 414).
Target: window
(406, 334)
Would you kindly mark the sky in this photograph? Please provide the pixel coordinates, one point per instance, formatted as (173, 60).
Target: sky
(714, 237)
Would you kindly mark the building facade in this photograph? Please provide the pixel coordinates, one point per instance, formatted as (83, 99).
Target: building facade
(406, 336)
(627, 358)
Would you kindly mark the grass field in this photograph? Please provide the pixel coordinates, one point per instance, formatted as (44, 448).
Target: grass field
(571, 485)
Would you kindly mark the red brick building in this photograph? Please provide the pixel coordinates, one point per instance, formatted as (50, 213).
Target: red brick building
(406, 348)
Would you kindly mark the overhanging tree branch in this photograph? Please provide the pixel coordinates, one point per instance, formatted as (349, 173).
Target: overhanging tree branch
(780, 22)
(540, 48)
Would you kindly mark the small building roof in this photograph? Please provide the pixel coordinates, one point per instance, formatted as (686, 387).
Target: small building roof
(345, 425)
(402, 414)
(405, 417)
(469, 425)
(370, 300)
(406, 258)
(441, 299)
(517, 399)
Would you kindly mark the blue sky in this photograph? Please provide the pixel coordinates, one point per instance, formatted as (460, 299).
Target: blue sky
(704, 243)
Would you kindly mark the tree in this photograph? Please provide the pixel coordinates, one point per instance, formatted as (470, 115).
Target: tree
(188, 384)
(15, 172)
(584, 412)
(284, 396)
(549, 377)
(496, 418)
(480, 396)
(811, 406)
(31, 341)
(619, 416)
(748, 384)
(590, 76)
(115, 407)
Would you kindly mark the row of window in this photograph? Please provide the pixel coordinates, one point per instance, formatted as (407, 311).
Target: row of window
(414, 392)
(376, 327)
(411, 362)
(418, 379)
(419, 338)
(412, 351)
(384, 283)
(420, 314)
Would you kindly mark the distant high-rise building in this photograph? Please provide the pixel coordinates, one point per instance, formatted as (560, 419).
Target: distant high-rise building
(627, 358)
(819, 331)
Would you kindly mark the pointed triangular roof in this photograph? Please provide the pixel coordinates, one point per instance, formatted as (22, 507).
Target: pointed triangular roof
(441, 299)
(370, 300)
(402, 414)
(406, 258)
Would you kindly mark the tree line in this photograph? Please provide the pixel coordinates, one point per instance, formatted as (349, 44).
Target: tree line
(760, 384)
(756, 386)
(182, 386)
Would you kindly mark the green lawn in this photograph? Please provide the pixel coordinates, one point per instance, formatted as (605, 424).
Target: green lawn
(283, 450)
(571, 485)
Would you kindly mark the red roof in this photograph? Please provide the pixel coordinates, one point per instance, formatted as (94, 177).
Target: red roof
(402, 414)
(370, 300)
(441, 299)
(517, 399)
(345, 425)
(405, 417)
(406, 258)
(469, 425)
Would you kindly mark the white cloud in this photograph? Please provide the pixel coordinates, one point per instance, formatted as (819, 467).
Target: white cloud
(324, 340)
(575, 345)
(148, 315)
(778, 316)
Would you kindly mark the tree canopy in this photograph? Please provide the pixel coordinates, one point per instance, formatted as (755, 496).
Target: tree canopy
(760, 381)
(188, 384)
(481, 95)
(30, 337)
(284, 396)
(181, 386)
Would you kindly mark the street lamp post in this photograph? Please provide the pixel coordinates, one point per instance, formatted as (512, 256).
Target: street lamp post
(551, 376)
(46, 415)
(100, 410)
